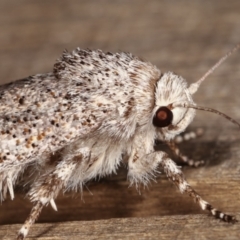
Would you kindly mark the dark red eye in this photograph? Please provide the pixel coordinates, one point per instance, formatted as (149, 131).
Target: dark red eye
(163, 117)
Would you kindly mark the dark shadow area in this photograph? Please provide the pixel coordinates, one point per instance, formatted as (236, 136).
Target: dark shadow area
(211, 152)
(47, 230)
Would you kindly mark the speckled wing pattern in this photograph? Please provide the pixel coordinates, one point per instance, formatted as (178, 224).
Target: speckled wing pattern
(86, 91)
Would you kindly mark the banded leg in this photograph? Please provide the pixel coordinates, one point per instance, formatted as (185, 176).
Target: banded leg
(188, 136)
(46, 189)
(176, 176)
(183, 157)
(35, 212)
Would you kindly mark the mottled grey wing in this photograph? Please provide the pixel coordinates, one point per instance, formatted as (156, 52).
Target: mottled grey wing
(86, 93)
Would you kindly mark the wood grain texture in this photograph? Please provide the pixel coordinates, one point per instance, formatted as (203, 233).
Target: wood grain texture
(169, 227)
(186, 37)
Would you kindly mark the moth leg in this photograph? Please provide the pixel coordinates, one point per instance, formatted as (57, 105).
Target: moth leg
(7, 182)
(188, 136)
(35, 212)
(175, 175)
(45, 191)
(142, 168)
(182, 157)
(47, 187)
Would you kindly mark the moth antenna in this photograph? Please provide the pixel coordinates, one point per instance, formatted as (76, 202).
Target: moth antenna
(185, 105)
(194, 86)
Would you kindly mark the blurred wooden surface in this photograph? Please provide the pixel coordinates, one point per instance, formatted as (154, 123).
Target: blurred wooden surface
(186, 37)
(184, 227)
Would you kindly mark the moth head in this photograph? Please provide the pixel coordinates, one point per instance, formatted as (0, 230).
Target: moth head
(171, 119)
(174, 107)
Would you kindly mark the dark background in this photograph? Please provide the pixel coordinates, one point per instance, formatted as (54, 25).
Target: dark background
(186, 37)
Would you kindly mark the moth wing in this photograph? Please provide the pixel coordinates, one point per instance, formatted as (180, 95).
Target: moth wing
(85, 95)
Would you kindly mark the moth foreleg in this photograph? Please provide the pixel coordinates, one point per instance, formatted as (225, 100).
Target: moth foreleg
(188, 136)
(183, 158)
(142, 168)
(175, 175)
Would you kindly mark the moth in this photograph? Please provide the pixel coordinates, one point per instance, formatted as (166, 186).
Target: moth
(81, 120)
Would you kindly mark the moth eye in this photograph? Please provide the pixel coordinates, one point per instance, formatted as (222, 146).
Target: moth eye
(163, 117)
